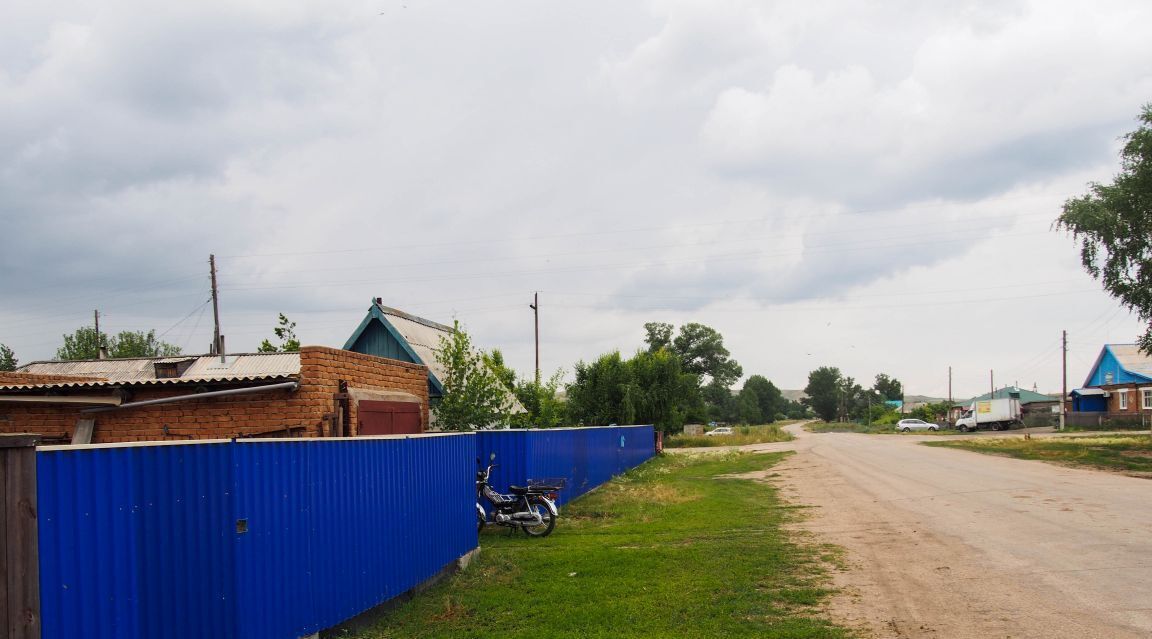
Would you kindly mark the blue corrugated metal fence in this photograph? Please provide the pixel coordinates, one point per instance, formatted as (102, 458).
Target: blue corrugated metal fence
(252, 539)
(277, 539)
(583, 457)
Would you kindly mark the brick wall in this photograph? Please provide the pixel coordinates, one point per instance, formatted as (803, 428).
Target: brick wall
(14, 379)
(321, 370)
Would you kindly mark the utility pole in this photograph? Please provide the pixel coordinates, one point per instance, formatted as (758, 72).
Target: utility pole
(949, 387)
(535, 306)
(991, 384)
(1064, 387)
(99, 342)
(217, 344)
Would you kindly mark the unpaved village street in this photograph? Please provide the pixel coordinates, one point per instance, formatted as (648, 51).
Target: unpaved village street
(947, 543)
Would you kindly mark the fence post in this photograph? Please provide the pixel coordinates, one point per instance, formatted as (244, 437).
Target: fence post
(19, 545)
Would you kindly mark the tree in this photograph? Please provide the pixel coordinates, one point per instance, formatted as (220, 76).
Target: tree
(84, 343)
(749, 406)
(650, 388)
(286, 333)
(701, 350)
(769, 401)
(659, 335)
(8, 361)
(544, 409)
(823, 390)
(140, 344)
(473, 396)
(889, 388)
(495, 361)
(1113, 223)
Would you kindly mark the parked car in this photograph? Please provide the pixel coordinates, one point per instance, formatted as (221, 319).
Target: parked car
(906, 425)
(722, 430)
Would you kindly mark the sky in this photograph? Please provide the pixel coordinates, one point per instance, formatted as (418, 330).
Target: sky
(870, 186)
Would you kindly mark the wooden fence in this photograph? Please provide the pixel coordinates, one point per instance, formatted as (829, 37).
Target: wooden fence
(19, 554)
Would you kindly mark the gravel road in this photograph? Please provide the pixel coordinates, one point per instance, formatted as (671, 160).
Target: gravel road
(952, 544)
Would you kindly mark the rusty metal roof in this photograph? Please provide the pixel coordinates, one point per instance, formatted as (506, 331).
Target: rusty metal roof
(142, 370)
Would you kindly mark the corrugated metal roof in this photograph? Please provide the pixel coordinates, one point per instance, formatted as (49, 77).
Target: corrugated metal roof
(422, 335)
(1132, 359)
(142, 370)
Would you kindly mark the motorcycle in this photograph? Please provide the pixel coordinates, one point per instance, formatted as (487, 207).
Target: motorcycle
(530, 508)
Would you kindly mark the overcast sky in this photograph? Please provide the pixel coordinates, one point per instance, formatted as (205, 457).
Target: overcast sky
(864, 185)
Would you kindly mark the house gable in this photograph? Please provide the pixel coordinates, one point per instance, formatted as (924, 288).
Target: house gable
(377, 336)
(1110, 370)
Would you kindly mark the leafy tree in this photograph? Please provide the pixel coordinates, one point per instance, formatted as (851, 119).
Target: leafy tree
(888, 388)
(286, 333)
(659, 335)
(8, 361)
(1113, 223)
(81, 344)
(932, 411)
(85, 344)
(701, 350)
(140, 344)
(650, 388)
(793, 409)
(824, 390)
(769, 401)
(749, 406)
(597, 396)
(544, 407)
(473, 396)
(495, 361)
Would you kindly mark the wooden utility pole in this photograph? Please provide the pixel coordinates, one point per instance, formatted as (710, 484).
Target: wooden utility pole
(99, 342)
(535, 305)
(1064, 386)
(992, 384)
(949, 387)
(217, 346)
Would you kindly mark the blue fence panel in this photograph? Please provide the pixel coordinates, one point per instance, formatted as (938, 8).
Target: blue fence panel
(584, 457)
(273, 539)
(136, 541)
(510, 448)
(336, 527)
(277, 539)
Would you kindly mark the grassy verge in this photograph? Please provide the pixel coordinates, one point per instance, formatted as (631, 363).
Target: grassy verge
(869, 429)
(848, 427)
(1131, 454)
(740, 436)
(676, 548)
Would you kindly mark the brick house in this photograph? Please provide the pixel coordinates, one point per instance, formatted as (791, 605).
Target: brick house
(317, 392)
(1119, 383)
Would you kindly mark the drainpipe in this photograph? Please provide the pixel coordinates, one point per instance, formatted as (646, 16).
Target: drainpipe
(289, 386)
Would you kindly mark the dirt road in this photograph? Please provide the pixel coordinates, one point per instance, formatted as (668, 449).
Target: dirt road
(947, 543)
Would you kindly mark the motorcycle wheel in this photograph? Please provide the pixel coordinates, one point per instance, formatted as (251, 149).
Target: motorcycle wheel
(549, 522)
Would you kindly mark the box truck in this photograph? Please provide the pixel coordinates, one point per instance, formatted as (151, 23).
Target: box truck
(997, 414)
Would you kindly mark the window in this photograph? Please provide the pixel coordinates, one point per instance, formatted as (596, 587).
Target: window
(1146, 394)
(1123, 401)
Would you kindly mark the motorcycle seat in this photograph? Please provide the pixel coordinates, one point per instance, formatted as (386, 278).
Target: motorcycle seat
(537, 490)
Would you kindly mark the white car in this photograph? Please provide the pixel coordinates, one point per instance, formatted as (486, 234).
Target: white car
(723, 430)
(906, 425)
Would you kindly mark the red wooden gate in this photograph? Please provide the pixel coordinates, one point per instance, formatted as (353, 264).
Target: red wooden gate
(389, 418)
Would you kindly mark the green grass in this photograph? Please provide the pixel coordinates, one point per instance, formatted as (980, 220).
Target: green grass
(675, 548)
(1131, 454)
(848, 427)
(870, 429)
(741, 435)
